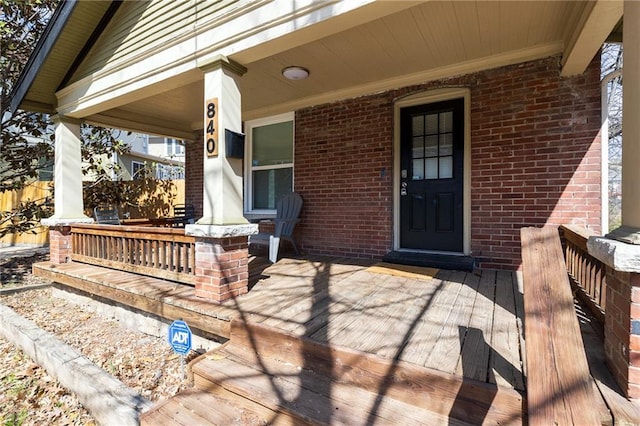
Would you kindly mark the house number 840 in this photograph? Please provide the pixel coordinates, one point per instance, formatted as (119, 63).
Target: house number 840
(211, 127)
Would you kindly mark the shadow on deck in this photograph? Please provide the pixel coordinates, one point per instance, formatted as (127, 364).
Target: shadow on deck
(465, 328)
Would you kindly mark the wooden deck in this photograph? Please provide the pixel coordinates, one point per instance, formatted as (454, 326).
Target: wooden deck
(467, 324)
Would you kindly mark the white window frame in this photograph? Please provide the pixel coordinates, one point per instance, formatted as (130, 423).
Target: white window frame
(249, 211)
(135, 163)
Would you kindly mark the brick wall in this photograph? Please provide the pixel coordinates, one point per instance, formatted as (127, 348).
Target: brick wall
(343, 170)
(194, 172)
(535, 155)
(535, 161)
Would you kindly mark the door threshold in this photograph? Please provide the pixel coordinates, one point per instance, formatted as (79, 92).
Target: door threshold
(431, 260)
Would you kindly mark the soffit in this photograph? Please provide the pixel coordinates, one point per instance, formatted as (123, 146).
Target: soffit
(78, 29)
(430, 40)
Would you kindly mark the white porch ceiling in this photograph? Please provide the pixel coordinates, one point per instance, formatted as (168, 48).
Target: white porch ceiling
(424, 41)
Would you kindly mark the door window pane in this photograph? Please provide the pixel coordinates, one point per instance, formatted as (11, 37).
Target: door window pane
(432, 124)
(431, 149)
(446, 167)
(417, 170)
(417, 125)
(431, 168)
(446, 122)
(446, 144)
(418, 148)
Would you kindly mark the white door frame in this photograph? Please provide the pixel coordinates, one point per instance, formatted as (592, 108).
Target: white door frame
(428, 97)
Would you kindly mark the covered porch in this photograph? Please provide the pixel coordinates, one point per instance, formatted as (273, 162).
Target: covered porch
(460, 332)
(455, 327)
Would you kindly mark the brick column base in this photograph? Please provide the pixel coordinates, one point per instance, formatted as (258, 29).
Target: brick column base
(60, 244)
(222, 267)
(622, 330)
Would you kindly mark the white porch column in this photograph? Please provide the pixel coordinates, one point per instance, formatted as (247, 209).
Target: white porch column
(67, 179)
(620, 250)
(222, 234)
(630, 229)
(67, 174)
(222, 199)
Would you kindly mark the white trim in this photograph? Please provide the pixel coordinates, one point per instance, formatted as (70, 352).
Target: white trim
(428, 97)
(604, 149)
(248, 181)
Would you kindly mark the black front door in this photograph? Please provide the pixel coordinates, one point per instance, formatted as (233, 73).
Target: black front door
(431, 176)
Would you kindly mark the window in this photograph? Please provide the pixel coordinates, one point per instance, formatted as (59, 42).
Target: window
(432, 153)
(137, 169)
(269, 162)
(174, 147)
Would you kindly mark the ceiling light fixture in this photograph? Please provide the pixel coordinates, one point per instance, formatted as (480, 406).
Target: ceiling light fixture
(295, 73)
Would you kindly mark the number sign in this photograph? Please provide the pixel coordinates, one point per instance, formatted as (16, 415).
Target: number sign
(211, 126)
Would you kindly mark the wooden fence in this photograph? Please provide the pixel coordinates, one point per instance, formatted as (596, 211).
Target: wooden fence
(157, 203)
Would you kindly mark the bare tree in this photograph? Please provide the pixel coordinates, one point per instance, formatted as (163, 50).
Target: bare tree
(612, 73)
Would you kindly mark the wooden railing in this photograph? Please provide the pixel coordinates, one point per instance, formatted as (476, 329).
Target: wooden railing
(587, 273)
(159, 252)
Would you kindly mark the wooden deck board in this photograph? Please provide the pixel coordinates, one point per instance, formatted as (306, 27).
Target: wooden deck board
(447, 348)
(437, 310)
(394, 315)
(474, 355)
(505, 337)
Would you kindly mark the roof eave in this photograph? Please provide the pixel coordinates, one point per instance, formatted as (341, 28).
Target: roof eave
(40, 53)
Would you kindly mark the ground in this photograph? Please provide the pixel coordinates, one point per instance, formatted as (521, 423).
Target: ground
(28, 396)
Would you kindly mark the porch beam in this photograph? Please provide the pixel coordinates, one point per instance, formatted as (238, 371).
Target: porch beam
(596, 23)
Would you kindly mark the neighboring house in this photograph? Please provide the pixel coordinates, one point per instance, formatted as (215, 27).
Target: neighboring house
(162, 157)
(409, 128)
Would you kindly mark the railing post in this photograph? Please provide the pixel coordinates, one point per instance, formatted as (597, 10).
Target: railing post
(222, 260)
(622, 307)
(60, 244)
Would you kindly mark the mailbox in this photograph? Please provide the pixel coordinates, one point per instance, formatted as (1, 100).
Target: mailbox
(234, 144)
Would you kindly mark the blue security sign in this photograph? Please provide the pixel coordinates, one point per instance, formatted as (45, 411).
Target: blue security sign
(180, 337)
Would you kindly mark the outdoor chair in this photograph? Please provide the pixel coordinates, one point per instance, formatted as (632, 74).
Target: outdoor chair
(183, 214)
(287, 216)
(106, 215)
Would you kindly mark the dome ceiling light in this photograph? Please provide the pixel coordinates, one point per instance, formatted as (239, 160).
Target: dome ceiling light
(295, 73)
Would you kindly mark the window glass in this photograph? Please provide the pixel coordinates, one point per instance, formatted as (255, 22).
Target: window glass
(269, 162)
(269, 186)
(418, 148)
(417, 169)
(272, 144)
(446, 167)
(431, 167)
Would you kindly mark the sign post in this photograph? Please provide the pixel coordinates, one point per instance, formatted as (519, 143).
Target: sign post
(180, 340)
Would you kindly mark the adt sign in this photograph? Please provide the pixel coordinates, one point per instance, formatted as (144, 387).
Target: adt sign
(180, 337)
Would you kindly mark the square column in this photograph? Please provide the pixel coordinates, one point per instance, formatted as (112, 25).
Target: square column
(630, 229)
(222, 190)
(222, 233)
(67, 178)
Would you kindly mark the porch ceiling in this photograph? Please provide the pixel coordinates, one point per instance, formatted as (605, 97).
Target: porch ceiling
(421, 42)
